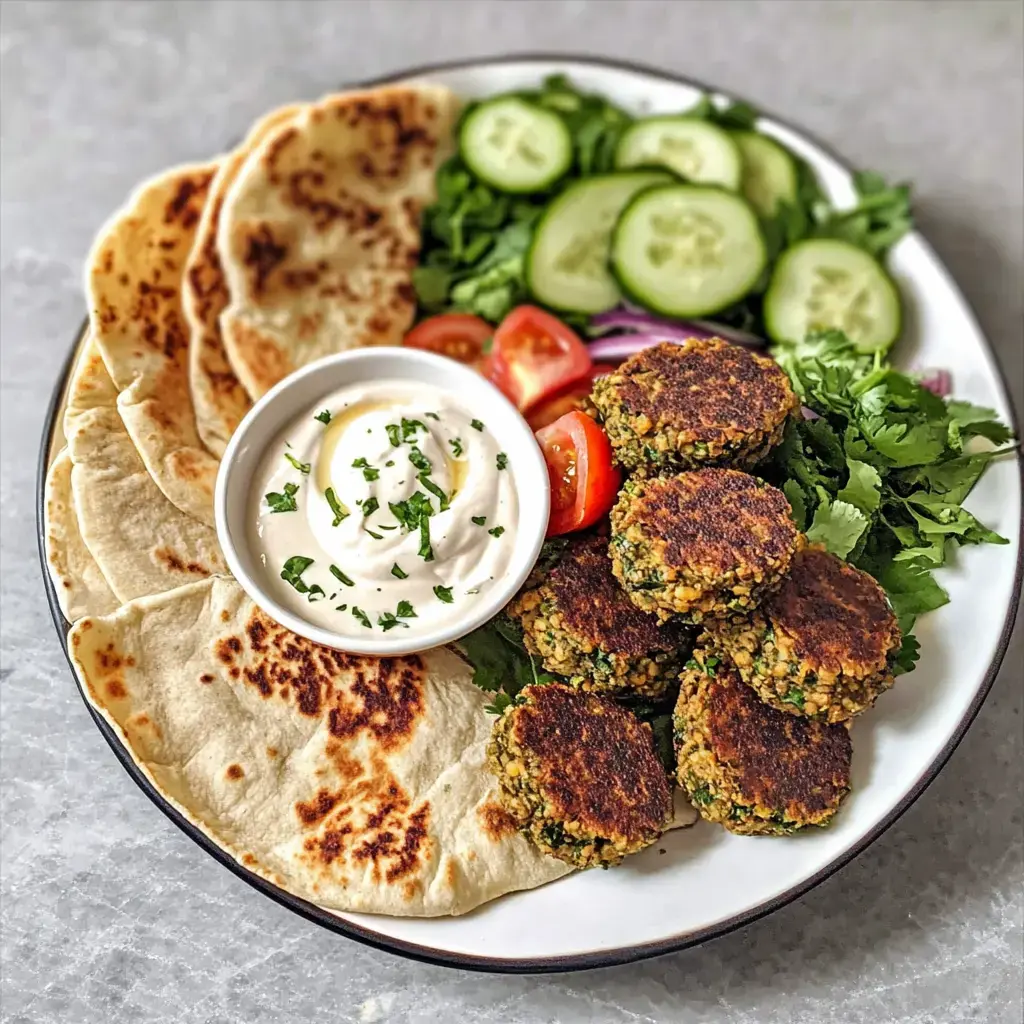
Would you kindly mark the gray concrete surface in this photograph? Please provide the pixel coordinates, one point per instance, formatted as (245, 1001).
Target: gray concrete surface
(108, 912)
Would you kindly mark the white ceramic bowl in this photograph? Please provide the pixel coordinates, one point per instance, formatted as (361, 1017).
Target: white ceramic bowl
(296, 393)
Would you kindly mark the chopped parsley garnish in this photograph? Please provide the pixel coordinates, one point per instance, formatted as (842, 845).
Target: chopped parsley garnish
(370, 473)
(361, 616)
(502, 460)
(457, 449)
(412, 510)
(394, 432)
(316, 593)
(388, 620)
(372, 533)
(433, 416)
(324, 416)
(341, 608)
(479, 520)
(389, 463)
(293, 570)
(497, 531)
(476, 424)
(405, 610)
(436, 491)
(443, 594)
(398, 572)
(419, 460)
(370, 506)
(426, 552)
(302, 467)
(341, 577)
(278, 502)
(336, 506)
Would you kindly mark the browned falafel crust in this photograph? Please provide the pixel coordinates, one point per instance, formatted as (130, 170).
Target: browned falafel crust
(583, 626)
(748, 766)
(701, 543)
(702, 403)
(580, 775)
(822, 645)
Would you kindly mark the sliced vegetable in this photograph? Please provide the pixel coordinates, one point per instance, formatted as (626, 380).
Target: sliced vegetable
(693, 148)
(567, 400)
(638, 320)
(687, 250)
(515, 146)
(826, 283)
(534, 355)
(567, 263)
(584, 481)
(460, 336)
(769, 172)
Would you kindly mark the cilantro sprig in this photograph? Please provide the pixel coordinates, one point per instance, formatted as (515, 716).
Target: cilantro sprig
(880, 476)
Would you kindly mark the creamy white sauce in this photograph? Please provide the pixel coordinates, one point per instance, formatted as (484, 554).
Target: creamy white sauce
(366, 547)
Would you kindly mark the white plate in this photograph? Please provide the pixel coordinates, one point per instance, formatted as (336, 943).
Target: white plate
(708, 881)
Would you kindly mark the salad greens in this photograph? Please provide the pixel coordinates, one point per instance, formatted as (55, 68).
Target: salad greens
(880, 474)
(475, 238)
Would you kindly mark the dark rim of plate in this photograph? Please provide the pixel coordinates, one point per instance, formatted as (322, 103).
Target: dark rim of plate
(527, 965)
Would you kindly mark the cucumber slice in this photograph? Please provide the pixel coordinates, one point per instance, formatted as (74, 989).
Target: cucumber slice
(687, 250)
(826, 283)
(769, 172)
(567, 264)
(695, 149)
(515, 146)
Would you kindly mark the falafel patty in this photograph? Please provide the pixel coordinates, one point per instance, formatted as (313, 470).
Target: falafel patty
(823, 645)
(749, 767)
(702, 403)
(579, 774)
(702, 543)
(583, 626)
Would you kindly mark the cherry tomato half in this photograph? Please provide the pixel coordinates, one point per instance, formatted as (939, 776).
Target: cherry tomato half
(568, 399)
(534, 355)
(584, 482)
(460, 336)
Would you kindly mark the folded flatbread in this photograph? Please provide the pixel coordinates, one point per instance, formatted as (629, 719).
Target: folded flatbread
(357, 783)
(133, 283)
(320, 231)
(141, 543)
(81, 587)
(218, 397)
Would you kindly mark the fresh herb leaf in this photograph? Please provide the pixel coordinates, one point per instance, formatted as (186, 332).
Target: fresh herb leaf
(497, 531)
(341, 577)
(862, 486)
(426, 552)
(432, 416)
(373, 533)
(361, 616)
(457, 448)
(436, 491)
(838, 525)
(282, 502)
(388, 620)
(501, 460)
(370, 506)
(370, 473)
(323, 416)
(340, 513)
(394, 432)
(405, 610)
(341, 608)
(292, 572)
(419, 460)
(479, 520)
(443, 594)
(315, 593)
(409, 428)
(398, 572)
(302, 467)
(476, 424)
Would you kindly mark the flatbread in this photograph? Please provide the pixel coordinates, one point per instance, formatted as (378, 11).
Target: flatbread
(320, 231)
(81, 587)
(141, 543)
(357, 783)
(133, 282)
(218, 397)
